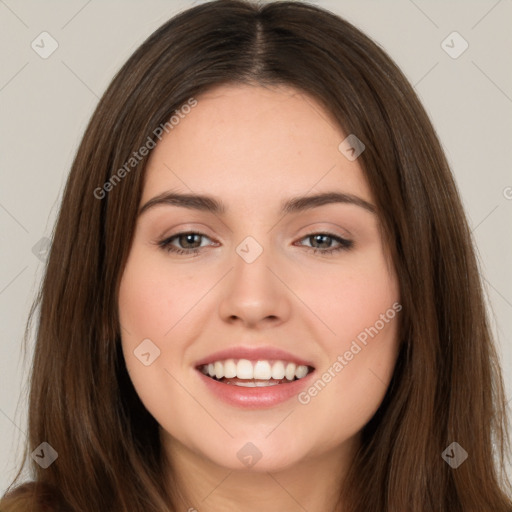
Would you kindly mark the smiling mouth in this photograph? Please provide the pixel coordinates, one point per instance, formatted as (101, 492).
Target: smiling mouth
(251, 374)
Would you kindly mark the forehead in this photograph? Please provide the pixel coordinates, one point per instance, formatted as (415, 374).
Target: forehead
(249, 144)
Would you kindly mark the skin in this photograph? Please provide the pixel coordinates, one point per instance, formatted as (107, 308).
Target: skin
(254, 147)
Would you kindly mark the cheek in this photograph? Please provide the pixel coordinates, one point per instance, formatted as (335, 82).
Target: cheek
(154, 302)
(149, 307)
(363, 311)
(154, 297)
(351, 389)
(349, 297)
(369, 332)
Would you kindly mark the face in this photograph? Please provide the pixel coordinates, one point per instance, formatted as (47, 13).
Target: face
(256, 294)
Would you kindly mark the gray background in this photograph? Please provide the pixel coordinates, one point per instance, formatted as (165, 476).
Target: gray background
(46, 103)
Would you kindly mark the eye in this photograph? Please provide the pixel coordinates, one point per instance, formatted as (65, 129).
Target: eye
(188, 240)
(190, 243)
(324, 239)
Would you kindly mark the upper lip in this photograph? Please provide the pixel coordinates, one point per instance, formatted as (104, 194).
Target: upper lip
(253, 354)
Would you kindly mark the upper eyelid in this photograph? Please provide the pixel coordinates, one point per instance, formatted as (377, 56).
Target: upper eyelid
(200, 228)
(167, 239)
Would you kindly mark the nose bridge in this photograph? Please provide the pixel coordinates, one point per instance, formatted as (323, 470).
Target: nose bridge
(253, 292)
(251, 267)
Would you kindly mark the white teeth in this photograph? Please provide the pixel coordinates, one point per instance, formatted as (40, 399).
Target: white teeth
(260, 370)
(300, 372)
(229, 369)
(262, 384)
(278, 370)
(289, 372)
(244, 369)
(219, 369)
(255, 384)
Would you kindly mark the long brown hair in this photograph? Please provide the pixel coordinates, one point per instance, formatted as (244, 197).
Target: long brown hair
(447, 386)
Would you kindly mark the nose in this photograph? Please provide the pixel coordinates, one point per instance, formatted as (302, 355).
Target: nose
(255, 294)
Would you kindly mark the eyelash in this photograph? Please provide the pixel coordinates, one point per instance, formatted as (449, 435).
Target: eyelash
(344, 244)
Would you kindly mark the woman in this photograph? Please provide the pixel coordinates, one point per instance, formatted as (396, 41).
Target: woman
(223, 375)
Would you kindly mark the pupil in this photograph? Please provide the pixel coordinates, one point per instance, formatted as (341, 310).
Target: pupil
(319, 237)
(189, 238)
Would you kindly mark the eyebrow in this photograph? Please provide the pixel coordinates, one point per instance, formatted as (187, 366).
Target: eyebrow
(292, 205)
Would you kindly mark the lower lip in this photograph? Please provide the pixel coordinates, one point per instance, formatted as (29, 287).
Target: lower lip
(255, 398)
